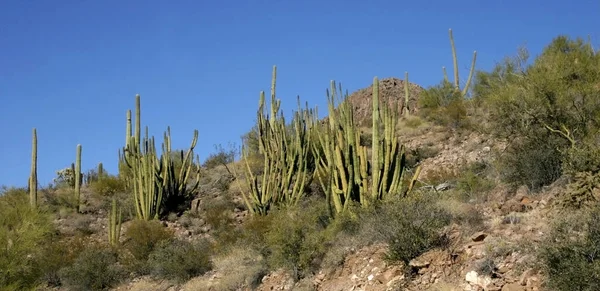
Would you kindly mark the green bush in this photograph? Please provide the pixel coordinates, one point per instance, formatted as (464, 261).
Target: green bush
(142, 237)
(180, 260)
(410, 226)
(108, 186)
(444, 106)
(298, 238)
(569, 254)
(474, 183)
(531, 162)
(24, 232)
(548, 110)
(95, 268)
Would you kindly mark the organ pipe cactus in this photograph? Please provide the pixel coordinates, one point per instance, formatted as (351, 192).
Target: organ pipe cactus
(406, 97)
(342, 167)
(285, 156)
(153, 179)
(463, 92)
(33, 175)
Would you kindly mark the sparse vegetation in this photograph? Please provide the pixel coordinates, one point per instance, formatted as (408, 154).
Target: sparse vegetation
(313, 191)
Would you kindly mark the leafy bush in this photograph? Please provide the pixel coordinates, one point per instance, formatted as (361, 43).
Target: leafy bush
(443, 105)
(531, 162)
(108, 186)
(142, 237)
(410, 226)
(473, 183)
(95, 268)
(569, 252)
(180, 260)
(23, 234)
(547, 109)
(297, 238)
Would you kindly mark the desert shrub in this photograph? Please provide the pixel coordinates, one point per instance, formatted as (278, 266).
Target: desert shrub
(569, 254)
(583, 191)
(531, 162)
(61, 198)
(415, 156)
(95, 268)
(24, 232)
(180, 260)
(221, 157)
(108, 186)
(410, 226)
(413, 122)
(547, 109)
(474, 183)
(443, 105)
(142, 237)
(297, 238)
(60, 252)
(218, 215)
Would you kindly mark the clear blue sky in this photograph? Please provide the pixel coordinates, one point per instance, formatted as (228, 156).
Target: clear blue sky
(72, 68)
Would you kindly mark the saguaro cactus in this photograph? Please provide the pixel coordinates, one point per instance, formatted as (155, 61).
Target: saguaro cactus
(78, 177)
(463, 92)
(33, 189)
(114, 224)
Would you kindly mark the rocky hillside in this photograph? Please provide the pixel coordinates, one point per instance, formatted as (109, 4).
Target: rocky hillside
(391, 91)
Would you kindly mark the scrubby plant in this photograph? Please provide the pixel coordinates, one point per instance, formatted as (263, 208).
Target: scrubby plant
(180, 260)
(220, 157)
(24, 231)
(410, 226)
(96, 268)
(569, 252)
(547, 109)
(142, 237)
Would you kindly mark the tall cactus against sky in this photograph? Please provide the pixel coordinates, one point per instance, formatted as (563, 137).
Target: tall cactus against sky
(463, 92)
(33, 183)
(78, 178)
(342, 162)
(153, 178)
(285, 154)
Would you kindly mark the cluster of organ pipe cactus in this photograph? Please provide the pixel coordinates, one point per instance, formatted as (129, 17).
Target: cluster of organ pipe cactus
(463, 91)
(285, 157)
(343, 167)
(114, 224)
(153, 178)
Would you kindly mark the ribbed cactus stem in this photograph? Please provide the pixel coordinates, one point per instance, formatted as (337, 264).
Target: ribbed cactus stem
(78, 177)
(376, 158)
(406, 97)
(114, 224)
(100, 170)
(33, 175)
(455, 62)
(138, 120)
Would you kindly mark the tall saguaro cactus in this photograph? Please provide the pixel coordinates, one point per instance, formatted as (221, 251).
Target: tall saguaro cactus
(463, 92)
(33, 189)
(78, 177)
(285, 156)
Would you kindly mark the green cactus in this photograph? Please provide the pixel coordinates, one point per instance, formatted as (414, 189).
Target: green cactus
(78, 178)
(285, 157)
(152, 178)
(33, 189)
(406, 96)
(342, 162)
(100, 171)
(114, 224)
(463, 92)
